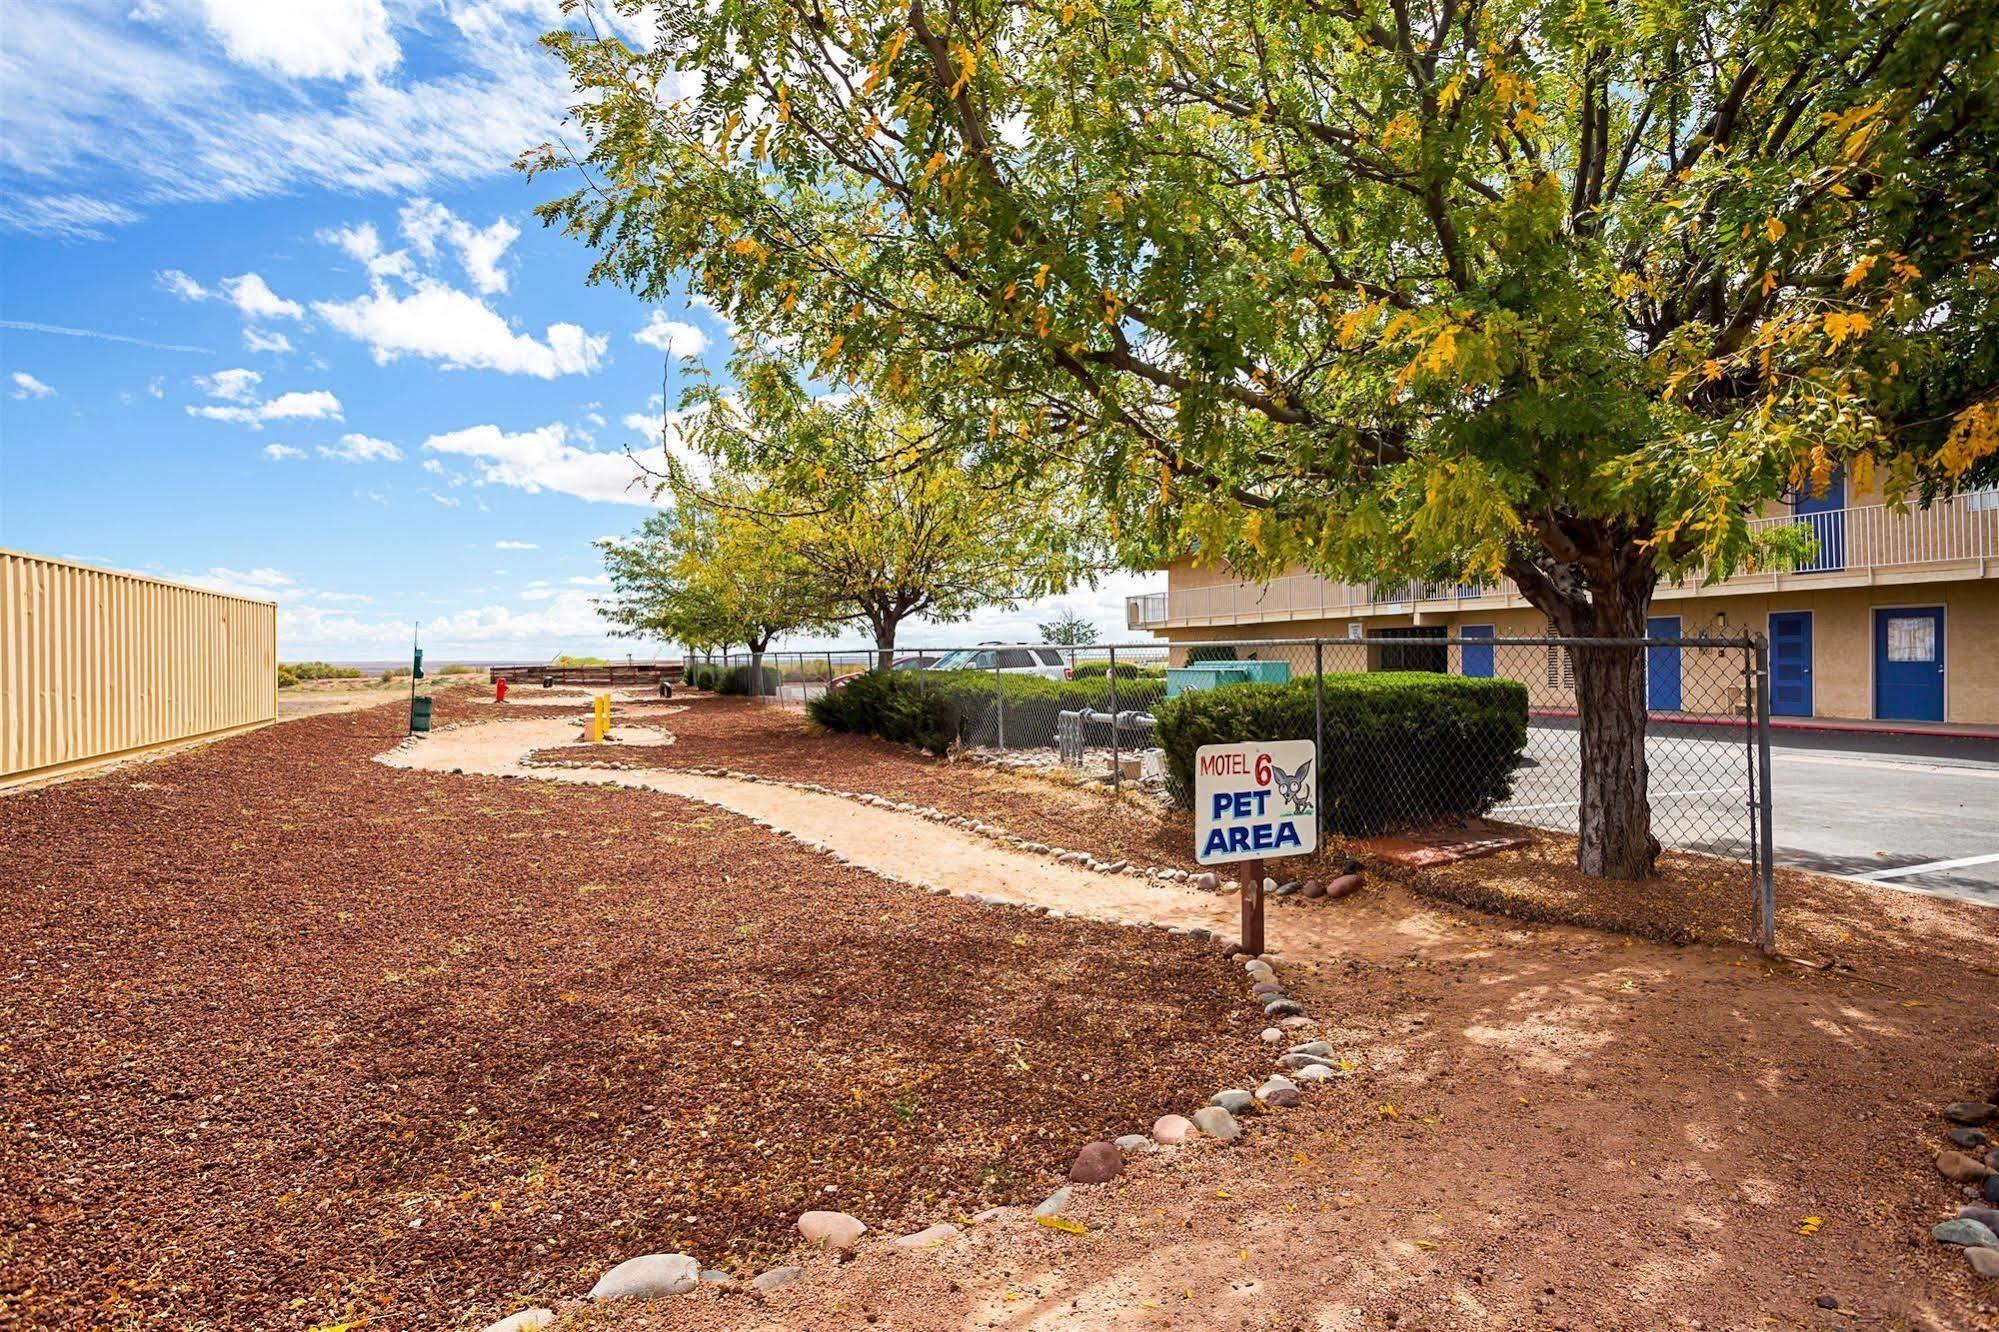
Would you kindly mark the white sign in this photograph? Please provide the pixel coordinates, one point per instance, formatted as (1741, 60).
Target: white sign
(1254, 800)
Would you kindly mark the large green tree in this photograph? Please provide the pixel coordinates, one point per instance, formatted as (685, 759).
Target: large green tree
(875, 510)
(707, 580)
(1563, 290)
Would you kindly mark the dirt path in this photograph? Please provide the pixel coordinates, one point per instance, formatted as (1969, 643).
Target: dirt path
(904, 846)
(1551, 1128)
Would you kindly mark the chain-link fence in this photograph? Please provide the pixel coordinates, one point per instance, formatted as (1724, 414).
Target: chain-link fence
(1492, 733)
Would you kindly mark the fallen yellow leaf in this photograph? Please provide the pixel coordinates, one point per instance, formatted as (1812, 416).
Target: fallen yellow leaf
(1063, 1224)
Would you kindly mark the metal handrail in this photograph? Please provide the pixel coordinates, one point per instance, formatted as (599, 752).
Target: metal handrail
(1856, 538)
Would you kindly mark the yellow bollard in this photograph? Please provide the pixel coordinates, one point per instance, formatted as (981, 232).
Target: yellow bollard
(600, 723)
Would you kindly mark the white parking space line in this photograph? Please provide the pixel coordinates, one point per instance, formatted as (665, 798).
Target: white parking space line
(1906, 870)
(1656, 795)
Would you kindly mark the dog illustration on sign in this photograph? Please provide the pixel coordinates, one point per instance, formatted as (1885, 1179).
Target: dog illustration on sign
(1295, 787)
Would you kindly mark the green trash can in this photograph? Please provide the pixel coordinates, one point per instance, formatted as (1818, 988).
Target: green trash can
(419, 714)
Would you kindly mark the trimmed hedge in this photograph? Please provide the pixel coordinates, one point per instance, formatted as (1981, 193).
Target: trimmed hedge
(1401, 748)
(892, 705)
(738, 679)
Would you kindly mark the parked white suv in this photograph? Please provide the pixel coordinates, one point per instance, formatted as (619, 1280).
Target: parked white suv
(1007, 659)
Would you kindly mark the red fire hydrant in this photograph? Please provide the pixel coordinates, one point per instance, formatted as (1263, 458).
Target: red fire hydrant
(500, 690)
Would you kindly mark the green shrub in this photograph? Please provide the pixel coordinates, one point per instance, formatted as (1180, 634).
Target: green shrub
(704, 677)
(1400, 748)
(1126, 670)
(287, 680)
(320, 670)
(458, 668)
(893, 705)
(395, 673)
(737, 680)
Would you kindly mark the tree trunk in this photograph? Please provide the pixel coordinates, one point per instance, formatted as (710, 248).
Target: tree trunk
(1614, 819)
(755, 684)
(885, 640)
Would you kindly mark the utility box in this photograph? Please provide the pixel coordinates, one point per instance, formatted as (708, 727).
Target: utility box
(1181, 679)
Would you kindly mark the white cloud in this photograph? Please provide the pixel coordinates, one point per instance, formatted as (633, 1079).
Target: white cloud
(306, 39)
(316, 405)
(280, 452)
(672, 336)
(544, 459)
(362, 242)
(515, 545)
(425, 223)
(181, 285)
(67, 216)
(111, 102)
(27, 386)
(262, 583)
(254, 299)
(157, 386)
(230, 385)
(257, 340)
(441, 323)
(448, 501)
(361, 448)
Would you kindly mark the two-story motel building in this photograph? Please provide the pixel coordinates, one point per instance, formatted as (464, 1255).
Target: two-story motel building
(1894, 621)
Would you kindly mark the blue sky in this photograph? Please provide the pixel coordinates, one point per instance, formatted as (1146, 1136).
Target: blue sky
(275, 316)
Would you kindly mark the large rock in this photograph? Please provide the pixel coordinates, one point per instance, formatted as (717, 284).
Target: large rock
(1098, 1163)
(1320, 1048)
(1991, 1188)
(1278, 1007)
(777, 1277)
(1171, 1130)
(831, 1230)
(1973, 1113)
(1343, 886)
(1984, 1262)
(1053, 1204)
(1962, 1230)
(1234, 1100)
(1970, 1139)
(928, 1237)
(648, 1277)
(1217, 1123)
(1135, 1142)
(1984, 1216)
(527, 1320)
(1960, 1168)
(1316, 1073)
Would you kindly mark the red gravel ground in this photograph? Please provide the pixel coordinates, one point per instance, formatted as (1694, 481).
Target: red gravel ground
(294, 1039)
(1551, 1128)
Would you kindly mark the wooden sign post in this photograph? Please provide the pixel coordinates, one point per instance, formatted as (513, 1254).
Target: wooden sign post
(1250, 801)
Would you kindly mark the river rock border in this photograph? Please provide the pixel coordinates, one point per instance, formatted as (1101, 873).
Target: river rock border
(1970, 1161)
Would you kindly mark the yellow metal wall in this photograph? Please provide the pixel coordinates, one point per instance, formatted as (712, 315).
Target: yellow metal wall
(96, 664)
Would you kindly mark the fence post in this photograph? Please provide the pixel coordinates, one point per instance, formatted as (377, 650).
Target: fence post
(999, 697)
(1117, 772)
(1319, 733)
(1767, 846)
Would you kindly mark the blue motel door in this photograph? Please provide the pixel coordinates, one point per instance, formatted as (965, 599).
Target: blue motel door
(1791, 664)
(1662, 666)
(1908, 664)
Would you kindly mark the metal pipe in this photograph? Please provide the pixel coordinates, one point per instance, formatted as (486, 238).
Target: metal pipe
(1117, 772)
(1768, 899)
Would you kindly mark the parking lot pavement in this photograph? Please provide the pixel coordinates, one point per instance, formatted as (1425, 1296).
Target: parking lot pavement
(1914, 812)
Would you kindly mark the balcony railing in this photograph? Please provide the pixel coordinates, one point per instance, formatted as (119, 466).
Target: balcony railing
(1963, 530)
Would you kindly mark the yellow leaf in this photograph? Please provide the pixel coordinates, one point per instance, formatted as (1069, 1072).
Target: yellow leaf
(1389, 1111)
(1063, 1224)
(1774, 229)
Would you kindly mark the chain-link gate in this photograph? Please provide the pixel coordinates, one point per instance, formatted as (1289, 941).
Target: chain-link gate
(1388, 760)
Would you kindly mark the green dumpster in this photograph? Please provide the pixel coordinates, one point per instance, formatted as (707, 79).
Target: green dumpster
(419, 714)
